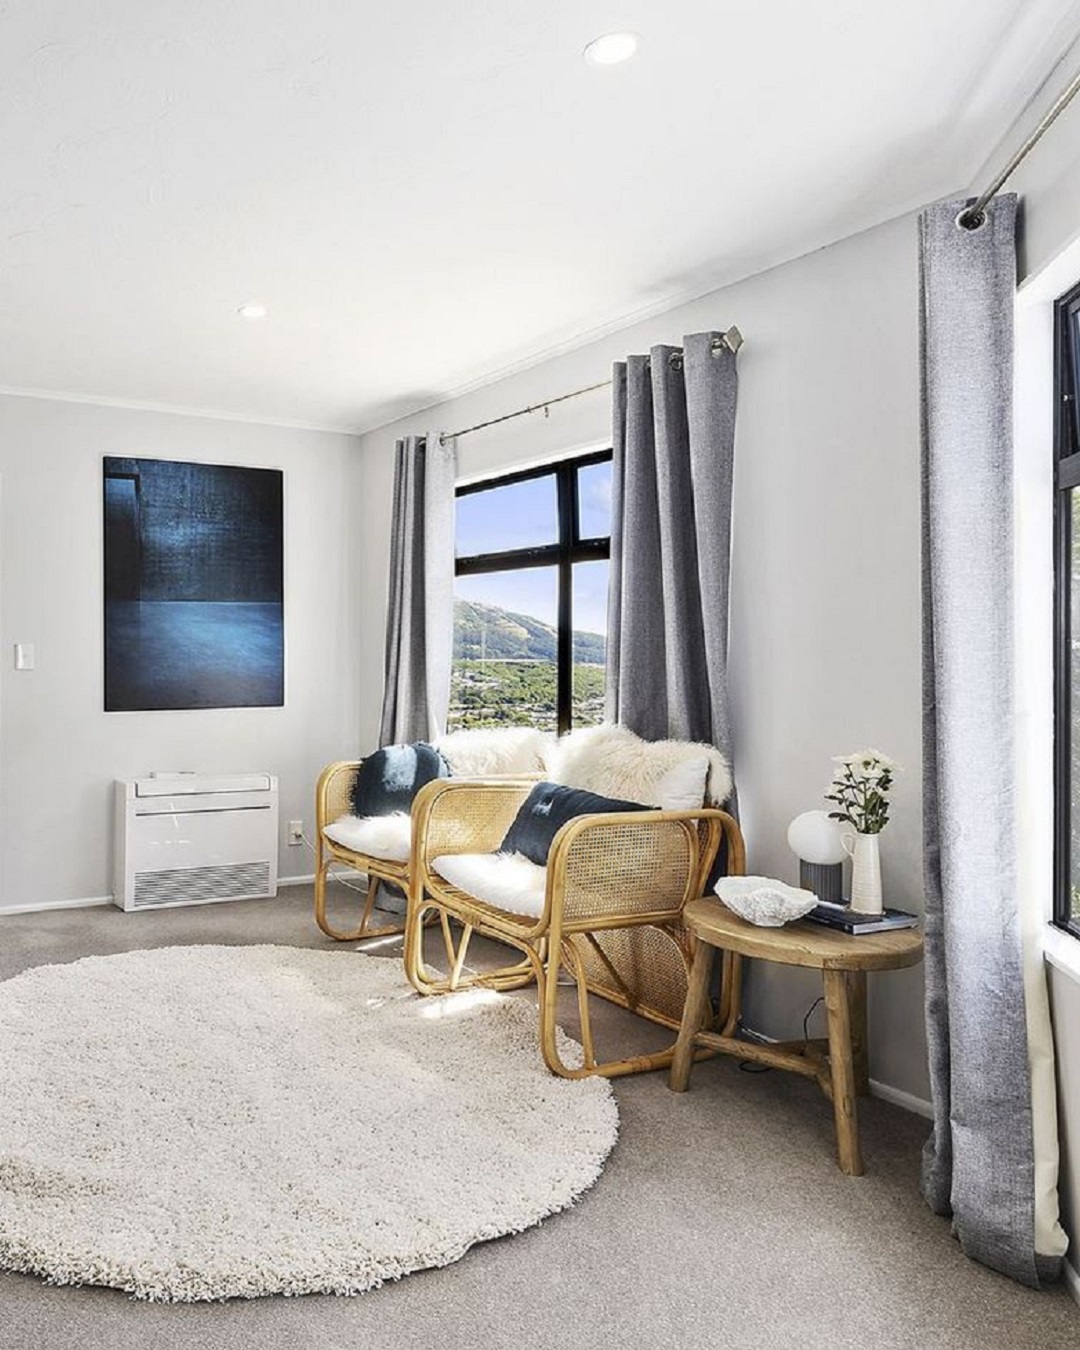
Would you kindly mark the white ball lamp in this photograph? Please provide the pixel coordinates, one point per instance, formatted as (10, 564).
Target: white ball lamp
(816, 842)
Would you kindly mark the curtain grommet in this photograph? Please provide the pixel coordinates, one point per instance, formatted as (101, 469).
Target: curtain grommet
(971, 221)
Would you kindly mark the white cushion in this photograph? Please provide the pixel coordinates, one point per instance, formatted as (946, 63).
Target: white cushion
(388, 837)
(479, 752)
(683, 787)
(507, 881)
(613, 761)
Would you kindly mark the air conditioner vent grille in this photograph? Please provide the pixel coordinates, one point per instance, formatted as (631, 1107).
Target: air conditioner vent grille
(188, 885)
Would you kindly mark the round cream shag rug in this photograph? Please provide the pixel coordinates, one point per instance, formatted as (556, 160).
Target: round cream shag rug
(215, 1122)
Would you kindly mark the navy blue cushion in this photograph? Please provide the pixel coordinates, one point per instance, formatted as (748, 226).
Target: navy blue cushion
(390, 778)
(547, 809)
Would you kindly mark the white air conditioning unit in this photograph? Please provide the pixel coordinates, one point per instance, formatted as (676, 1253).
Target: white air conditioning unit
(191, 839)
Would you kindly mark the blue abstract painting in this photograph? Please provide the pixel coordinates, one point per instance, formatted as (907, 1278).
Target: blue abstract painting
(194, 586)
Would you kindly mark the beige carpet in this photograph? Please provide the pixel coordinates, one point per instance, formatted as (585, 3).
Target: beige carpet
(720, 1221)
(211, 1122)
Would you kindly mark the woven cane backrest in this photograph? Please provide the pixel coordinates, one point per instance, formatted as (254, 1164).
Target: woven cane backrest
(627, 869)
(333, 798)
(468, 816)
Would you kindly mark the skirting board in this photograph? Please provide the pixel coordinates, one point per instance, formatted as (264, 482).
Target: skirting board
(85, 902)
(90, 901)
(919, 1105)
(1072, 1279)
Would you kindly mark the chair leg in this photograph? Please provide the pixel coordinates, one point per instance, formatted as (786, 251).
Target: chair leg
(459, 959)
(417, 972)
(362, 931)
(547, 977)
(373, 884)
(322, 868)
(578, 971)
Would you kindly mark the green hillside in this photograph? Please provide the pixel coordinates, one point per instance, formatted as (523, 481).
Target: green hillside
(486, 632)
(504, 671)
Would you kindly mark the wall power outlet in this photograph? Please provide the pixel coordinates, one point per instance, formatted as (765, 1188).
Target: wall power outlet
(296, 832)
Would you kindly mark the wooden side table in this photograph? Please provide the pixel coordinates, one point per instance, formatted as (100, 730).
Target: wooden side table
(839, 1063)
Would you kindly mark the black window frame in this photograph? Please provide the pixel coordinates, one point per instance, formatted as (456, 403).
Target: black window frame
(568, 549)
(1066, 477)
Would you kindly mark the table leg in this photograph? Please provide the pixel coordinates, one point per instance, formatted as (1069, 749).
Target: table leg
(729, 1022)
(694, 1015)
(856, 995)
(842, 1072)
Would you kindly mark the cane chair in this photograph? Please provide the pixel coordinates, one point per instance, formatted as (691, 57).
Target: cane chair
(611, 919)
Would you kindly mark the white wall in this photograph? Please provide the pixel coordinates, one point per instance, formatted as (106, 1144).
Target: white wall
(59, 752)
(1049, 186)
(825, 575)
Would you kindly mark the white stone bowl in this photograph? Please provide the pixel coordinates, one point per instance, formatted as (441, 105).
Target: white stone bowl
(764, 900)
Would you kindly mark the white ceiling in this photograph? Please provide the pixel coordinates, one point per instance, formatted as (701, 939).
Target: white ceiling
(426, 194)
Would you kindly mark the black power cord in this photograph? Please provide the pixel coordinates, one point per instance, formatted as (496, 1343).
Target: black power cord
(750, 1066)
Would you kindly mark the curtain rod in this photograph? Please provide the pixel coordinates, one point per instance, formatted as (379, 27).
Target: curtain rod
(974, 216)
(732, 340)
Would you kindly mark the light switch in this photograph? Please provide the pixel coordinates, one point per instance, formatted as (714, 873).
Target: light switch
(24, 656)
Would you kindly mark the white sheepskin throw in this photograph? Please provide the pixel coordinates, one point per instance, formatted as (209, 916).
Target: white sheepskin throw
(388, 837)
(505, 880)
(218, 1122)
(480, 752)
(613, 761)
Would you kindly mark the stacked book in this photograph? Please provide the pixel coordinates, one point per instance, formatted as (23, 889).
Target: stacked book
(848, 920)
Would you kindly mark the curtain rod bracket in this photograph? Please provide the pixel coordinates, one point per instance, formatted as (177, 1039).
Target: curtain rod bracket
(733, 339)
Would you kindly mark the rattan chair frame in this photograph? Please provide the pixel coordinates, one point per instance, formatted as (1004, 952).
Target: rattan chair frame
(333, 799)
(595, 886)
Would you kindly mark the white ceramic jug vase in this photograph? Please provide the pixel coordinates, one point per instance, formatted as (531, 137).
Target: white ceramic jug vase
(865, 857)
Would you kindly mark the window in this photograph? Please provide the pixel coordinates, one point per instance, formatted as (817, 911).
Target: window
(530, 598)
(1067, 612)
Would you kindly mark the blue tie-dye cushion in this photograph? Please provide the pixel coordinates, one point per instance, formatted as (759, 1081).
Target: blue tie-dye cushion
(390, 778)
(546, 810)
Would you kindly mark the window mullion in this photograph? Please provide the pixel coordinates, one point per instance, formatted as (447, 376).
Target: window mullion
(1067, 481)
(564, 650)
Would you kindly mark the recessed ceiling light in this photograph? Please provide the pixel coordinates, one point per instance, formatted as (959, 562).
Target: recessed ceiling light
(612, 48)
(253, 310)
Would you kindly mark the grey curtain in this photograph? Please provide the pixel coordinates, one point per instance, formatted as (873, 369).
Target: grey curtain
(420, 611)
(674, 443)
(979, 1164)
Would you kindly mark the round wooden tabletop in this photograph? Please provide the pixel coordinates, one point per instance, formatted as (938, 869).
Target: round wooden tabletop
(801, 943)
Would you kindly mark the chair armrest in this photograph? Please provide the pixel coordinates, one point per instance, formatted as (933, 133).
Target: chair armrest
(636, 866)
(333, 793)
(464, 815)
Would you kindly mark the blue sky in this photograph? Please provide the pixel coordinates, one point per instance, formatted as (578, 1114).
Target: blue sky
(523, 515)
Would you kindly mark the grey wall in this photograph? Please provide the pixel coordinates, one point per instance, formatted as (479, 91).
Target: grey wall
(59, 752)
(825, 573)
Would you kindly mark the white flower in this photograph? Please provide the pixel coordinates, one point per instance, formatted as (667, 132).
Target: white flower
(866, 765)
